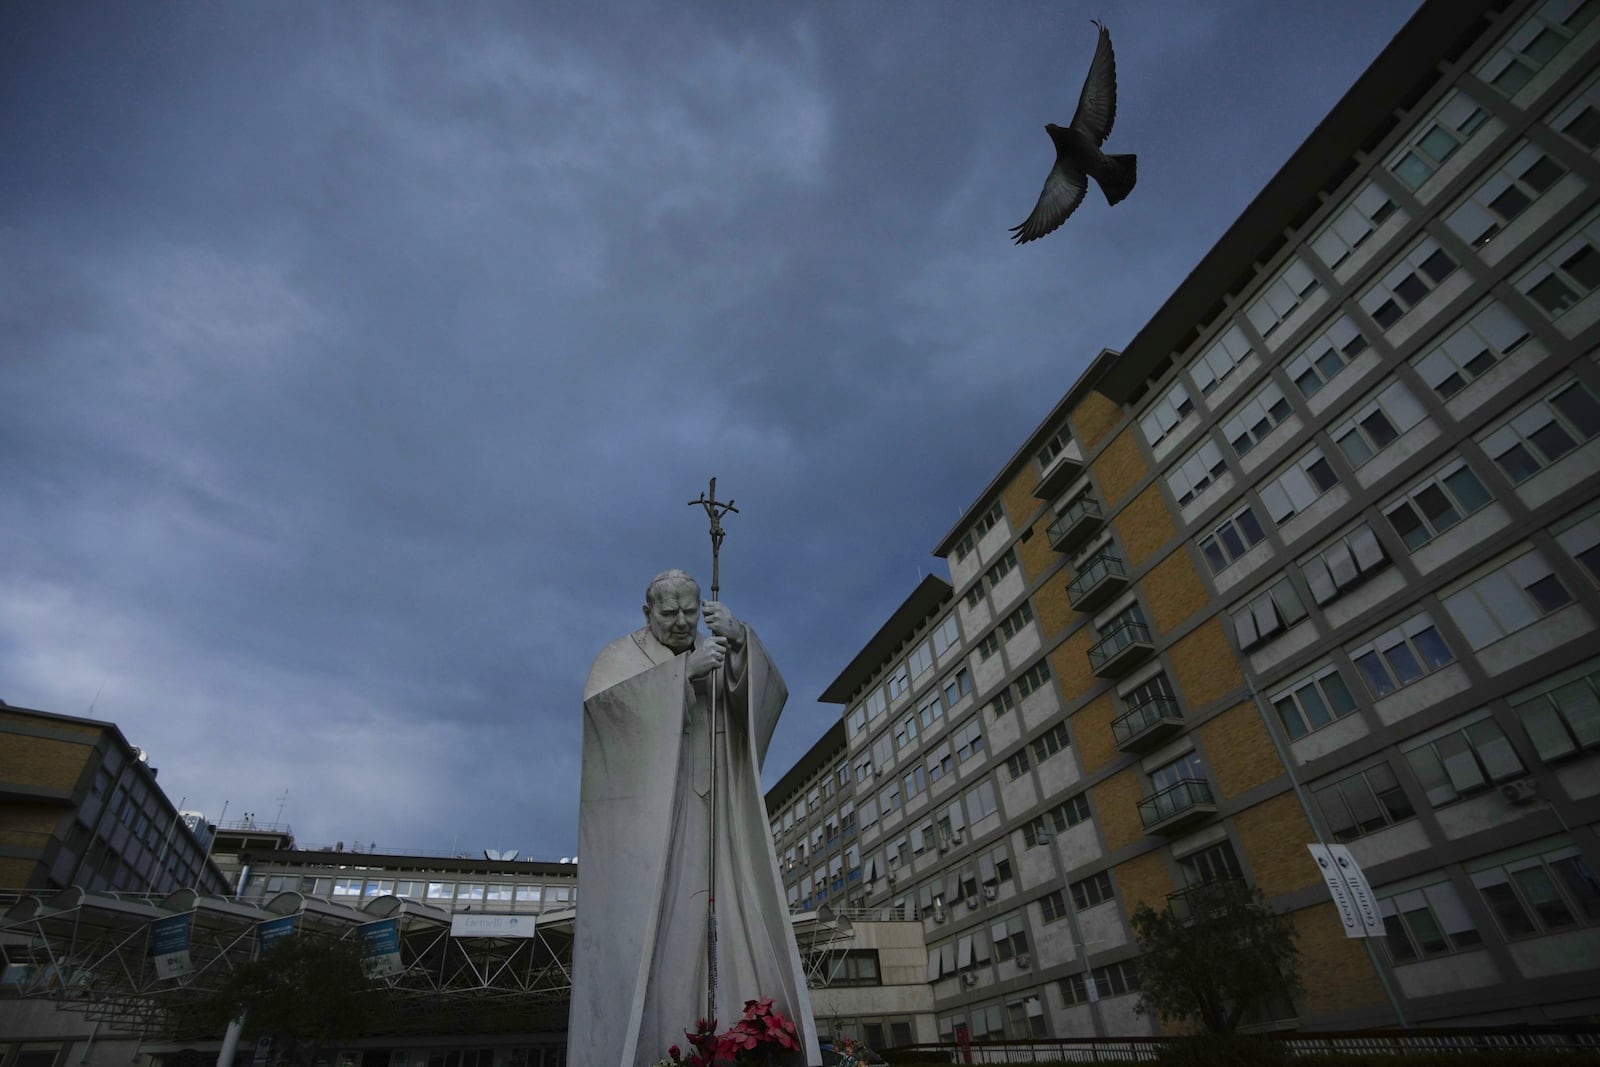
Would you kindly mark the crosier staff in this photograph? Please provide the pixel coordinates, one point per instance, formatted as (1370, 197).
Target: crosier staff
(715, 509)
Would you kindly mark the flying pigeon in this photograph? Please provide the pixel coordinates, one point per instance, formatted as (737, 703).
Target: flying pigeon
(1078, 151)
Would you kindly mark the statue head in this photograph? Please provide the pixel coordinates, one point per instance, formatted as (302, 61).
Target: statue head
(672, 609)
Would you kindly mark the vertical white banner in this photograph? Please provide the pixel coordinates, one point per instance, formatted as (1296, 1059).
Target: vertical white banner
(1348, 916)
(1360, 892)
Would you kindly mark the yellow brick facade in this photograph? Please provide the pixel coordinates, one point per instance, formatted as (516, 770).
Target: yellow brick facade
(1035, 553)
(1116, 803)
(1143, 880)
(1242, 755)
(1274, 834)
(1205, 666)
(1335, 970)
(1093, 418)
(1053, 609)
(1174, 591)
(1070, 665)
(1119, 468)
(1145, 525)
(42, 762)
(1092, 731)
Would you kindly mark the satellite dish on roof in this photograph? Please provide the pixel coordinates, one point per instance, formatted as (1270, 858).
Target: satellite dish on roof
(500, 853)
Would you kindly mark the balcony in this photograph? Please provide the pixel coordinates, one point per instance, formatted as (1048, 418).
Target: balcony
(1063, 469)
(1147, 725)
(1182, 804)
(1098, 580)
(1126, 646)
(1081, 518)
(1205, 898)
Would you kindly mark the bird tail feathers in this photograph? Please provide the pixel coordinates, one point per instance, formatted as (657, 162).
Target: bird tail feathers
(1117, 180)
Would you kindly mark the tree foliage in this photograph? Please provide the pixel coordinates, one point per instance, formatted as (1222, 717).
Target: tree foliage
(304, 993)
(1215, 956)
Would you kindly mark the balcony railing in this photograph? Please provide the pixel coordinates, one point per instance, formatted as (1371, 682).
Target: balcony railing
(1186, 801)
(1146, 725)
(1201, 898)
(1097, 580)
(1081, 518)
(1121, 649)
(1065, 467)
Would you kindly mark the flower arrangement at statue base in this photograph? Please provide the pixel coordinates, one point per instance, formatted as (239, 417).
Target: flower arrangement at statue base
(760, 1038)
(851, 1052)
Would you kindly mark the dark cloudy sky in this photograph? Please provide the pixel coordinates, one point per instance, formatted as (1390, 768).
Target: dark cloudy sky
(357, 360)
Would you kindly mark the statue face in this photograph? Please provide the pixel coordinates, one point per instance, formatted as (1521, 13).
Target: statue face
(673, 613)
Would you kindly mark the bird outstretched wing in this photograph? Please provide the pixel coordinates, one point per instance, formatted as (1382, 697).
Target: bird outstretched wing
(1063, 192)
(1097, 104)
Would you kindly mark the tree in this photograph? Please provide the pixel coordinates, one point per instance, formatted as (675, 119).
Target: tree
(303, 993)
(1215, 955)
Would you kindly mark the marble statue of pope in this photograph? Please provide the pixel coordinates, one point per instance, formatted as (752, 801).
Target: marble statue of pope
(644, 837)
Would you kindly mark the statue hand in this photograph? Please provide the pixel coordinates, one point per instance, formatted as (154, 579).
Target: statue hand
(721, 621)
(707, 656)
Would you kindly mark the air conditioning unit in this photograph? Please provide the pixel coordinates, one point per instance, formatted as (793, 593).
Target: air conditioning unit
(1024, 960)
(938, 914)
(955, 838)
(972, 901)
(990, 892)
(893, 877)
(1521, 791)
(968, 978)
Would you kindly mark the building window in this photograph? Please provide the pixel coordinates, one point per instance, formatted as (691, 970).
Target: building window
(1219, 361)
(1430, 921)
(877, 704)
(980, 800)
(1054, 447)
(1345, 564)
(1438, 138)
(1463, 758)
(1350, 228)
(1009, 937)
(899, 682)
(1237, 535)
(1377, 424)
(1009, 628)
(1185, 768)
(1313, 702)
(1299, 486)
(1191, 477)
(854, 967)
(905, 735)
(948, 633)
(1050, 742)
(1540, 894)
(1565, 276)
(1035, 677)
(1527, 175)
(1281, 297)
(1363, 803)
(1268, 614)
(1069, 812)
(969, 739)
(890, 798)
(1256, 417)
(986, 522)
(1469, 351)
(1582, 542)
(1325, 357)
(1053, 906)
(957, 686)
(1147, 692)
(858, 720)
(1544, 431)
(1507, 599)
(1167, 413)
(921, 661)
(929, 710)
(1026, 1017)
(864, 770)
(1095, 889)
(1017, 764)
(1564, 720)
(1435, 504)
(1112, 980)
(1533, 44)
(940, 762)
(883, 750)
(1417, 274)
(1402, 655)
(1580, 120)
(1215, 863)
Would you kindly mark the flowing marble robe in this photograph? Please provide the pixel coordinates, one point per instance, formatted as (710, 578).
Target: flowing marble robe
(639, 953)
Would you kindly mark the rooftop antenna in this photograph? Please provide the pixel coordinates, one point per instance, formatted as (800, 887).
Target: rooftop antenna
(283, 798)
(97, 693)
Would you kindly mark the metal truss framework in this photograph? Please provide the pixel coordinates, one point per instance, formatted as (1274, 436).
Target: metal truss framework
(92, 952)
